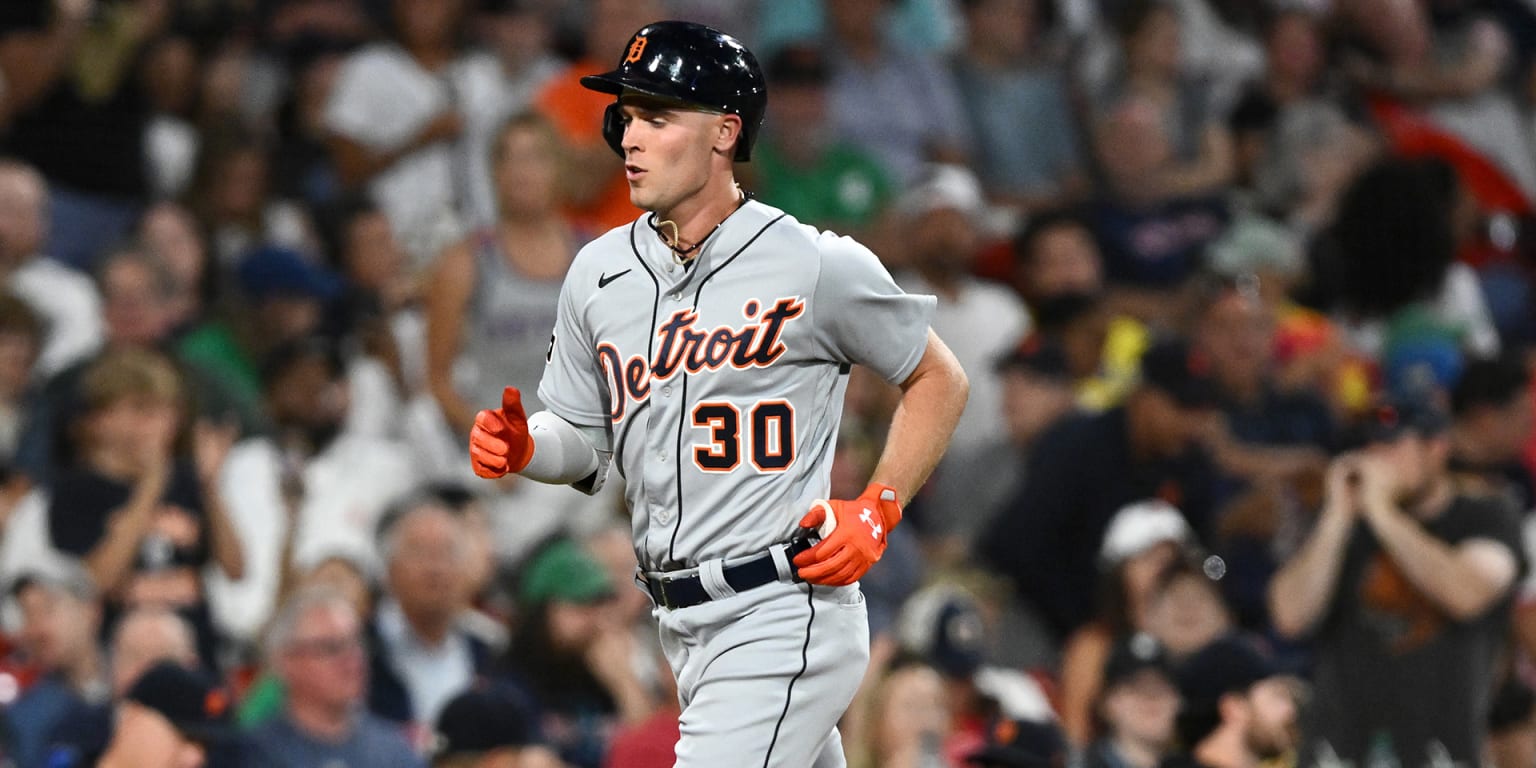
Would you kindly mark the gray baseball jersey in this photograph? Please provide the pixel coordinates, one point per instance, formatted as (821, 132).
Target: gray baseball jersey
(722, 383)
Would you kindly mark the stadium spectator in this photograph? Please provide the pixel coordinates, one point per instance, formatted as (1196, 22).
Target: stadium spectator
(598, 194)
(1059, 270)
(1492, 424)
(1389, 264)
(1404, 585)
(1089, 466)
(232, 198)
(60, 632)
(1512, 726)
(65, 299)
(174, 717)
(145, 514)
(1237, 710)
(489, 729)
(171, 233)
(1197, 156)
(421, 656)
(1137, 708)
(1021, 744)
(1185, 609)
(942, 220)
(518, 38)
(315, 645)
(21, 339)
(1142, 541)
(801, 166)
(1015, 94)
(922, 118)
(78, 113)
(311, 488)
(399, 115)
(1036, 393)
(143, 638)
(911, 719)
(570, 658)
(491, 298)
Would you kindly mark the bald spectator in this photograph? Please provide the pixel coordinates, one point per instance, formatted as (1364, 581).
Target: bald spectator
(315, 646)
(422, 655)
(64, 298)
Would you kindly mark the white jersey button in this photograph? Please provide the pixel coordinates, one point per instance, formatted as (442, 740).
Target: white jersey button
(666, 391)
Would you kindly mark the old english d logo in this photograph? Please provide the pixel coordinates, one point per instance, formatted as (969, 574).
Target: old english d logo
(636, 50)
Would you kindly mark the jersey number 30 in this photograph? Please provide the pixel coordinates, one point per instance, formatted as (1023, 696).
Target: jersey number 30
(770, 437)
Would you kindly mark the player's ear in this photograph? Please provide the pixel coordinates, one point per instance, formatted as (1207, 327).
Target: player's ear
(727, 132)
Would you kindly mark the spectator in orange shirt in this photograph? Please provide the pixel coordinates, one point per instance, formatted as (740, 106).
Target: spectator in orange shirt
(595, 187)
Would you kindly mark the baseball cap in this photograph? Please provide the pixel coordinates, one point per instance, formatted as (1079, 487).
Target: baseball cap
(564, 571)
(1020, 744)
(1139, 526)
(1395, 416)
(65, 575)
(1036, 355)
(478, 721)
(1181, 371)
(1254, 243)
(271, 271)
(944, 186)
(942, 625)
(197, 707)
(1228, 664)
(1132, 656)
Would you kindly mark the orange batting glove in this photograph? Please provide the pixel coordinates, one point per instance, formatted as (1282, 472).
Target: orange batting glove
(853, 536)
(499, 442)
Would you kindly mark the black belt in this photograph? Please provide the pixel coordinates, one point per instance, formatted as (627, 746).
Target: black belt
(686, 591)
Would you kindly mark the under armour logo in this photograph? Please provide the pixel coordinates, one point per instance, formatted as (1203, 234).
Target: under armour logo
(636, 50)
(874, 528)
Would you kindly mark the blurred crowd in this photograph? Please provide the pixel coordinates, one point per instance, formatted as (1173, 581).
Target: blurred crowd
(1244, 289)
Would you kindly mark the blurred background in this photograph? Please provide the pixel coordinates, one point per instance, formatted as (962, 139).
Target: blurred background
(263, 260)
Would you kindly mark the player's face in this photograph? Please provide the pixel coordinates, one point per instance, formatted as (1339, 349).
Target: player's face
(668, 152)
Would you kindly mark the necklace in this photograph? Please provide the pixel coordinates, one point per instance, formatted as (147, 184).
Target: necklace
(684, 255)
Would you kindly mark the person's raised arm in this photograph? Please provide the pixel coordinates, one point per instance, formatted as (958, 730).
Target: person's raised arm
(1303, 588)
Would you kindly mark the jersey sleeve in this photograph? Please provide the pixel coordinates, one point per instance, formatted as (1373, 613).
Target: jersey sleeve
(572, 386)
(863, 317)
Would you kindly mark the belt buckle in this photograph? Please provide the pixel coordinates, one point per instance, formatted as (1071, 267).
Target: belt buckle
(661, 591)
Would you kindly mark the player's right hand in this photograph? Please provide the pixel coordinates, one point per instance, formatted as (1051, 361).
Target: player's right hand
(499, 442)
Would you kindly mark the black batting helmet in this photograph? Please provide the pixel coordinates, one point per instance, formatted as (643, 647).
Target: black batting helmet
(692, 64)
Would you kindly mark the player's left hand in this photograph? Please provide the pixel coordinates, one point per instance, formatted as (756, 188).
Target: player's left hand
(853, 536)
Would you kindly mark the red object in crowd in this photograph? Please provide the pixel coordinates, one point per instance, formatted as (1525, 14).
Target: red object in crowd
(1412, 135)
(649, 744)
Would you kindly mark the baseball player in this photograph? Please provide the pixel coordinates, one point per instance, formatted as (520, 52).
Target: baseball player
(704, 349)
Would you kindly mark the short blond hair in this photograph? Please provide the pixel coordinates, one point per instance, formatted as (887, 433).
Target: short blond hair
(122, 374)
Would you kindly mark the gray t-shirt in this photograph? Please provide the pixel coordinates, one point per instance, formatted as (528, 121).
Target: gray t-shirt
(372, 744)
(722, 383)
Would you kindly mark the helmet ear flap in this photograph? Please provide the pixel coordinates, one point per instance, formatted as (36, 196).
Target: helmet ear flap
(613, 128)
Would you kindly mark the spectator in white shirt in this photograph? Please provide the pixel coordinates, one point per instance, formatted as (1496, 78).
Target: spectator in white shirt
(66, 299)
(398, 117)
(314, 486)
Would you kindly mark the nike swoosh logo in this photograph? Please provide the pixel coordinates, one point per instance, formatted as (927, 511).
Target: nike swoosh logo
(604, 280)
